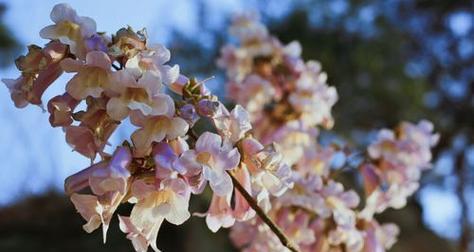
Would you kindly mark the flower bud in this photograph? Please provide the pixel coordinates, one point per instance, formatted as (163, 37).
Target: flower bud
(207, 108)
(189, 114)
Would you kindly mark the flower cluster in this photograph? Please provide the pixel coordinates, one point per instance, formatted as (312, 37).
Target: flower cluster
(285, 95)
(278, 171)
(289, 98)
(396, 160)
(121, 77)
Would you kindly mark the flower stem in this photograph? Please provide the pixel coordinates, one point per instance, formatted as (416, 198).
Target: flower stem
(265, 218)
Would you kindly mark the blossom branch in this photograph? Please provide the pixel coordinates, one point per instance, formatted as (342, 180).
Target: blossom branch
(265, 218)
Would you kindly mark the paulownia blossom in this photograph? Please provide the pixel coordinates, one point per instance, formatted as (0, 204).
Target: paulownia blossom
(277, 171)
(288, 98)
(167, 160)
(70, 29)
(39, 69)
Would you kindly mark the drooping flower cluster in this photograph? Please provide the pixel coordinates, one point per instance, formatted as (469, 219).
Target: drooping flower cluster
(278, 171)
(288, 98)
(168, 160)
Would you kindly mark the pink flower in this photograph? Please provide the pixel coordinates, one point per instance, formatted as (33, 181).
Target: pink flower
(236, 62)
(157, 128)
(247, 27)
(296, 225)
(178, 84)
(379, 238)
(168, 163)
(82, 140)
(69, 29)
(313, 98)
(242, 210)
(233, 125)
(142, 236)
(104, 176)
(142, 94)
(153, 60)
(270, 175)
(212, 158)
(250, 147)
(126, 43)
(293, 138)
(60, 109)
(92, 78)
(253, 93)
(40, 68)
(108, 182)
(274, 175)
(220, 213)
(167, 201)
(400, 158)
(97, 210)
(92, 134)
(316, 160)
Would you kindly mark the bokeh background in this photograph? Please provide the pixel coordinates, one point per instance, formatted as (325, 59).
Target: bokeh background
(390, 60)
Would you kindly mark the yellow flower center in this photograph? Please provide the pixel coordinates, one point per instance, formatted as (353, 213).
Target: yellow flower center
(205, 158)
(136, 94)
(68, 29)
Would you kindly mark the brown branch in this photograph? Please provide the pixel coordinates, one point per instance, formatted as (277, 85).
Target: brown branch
(464, 239)
(265, 218)
(116, 67)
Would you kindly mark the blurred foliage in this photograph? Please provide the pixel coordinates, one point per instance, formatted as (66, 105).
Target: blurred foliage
(9, 46)
(50, 223)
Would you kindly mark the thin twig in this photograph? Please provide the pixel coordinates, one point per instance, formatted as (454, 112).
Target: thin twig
(265, 218)
(116, 67)
(465, 236)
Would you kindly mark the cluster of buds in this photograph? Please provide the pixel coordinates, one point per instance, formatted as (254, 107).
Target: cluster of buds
(168, 159)
(289, 98)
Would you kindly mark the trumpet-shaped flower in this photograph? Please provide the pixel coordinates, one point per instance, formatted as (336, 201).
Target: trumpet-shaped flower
(233, 125)
(313, 98)
(242, 210)
(108, 182)
(60, 109)
(153, 59)
(92, 134)
(142, 95)
(126, 43)
(40, 68)
(69, 29)
(156, 128)
(220, 213)
(212, 158)
(166, 156)
(247, 29)
(400, 160)
(253, 94)
(274, 175)
(92, 78)
(167, 201)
